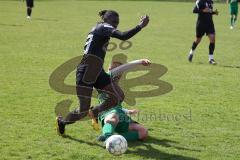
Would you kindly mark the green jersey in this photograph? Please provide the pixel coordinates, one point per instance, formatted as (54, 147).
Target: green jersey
(233, 7)
(233, 2)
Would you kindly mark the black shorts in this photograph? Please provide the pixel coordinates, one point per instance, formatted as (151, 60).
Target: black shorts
(202, 29)
(102, 80)
(30, 3)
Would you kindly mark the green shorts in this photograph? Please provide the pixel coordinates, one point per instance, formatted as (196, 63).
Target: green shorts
(124, 119)
(234, 10)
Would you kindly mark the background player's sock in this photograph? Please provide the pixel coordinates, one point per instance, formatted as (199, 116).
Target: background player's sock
(191, 52)
(29, 12)
(210, 57)
(130, 135)
(232, 21)
(194, 46)
(211, 50)
(108, 129)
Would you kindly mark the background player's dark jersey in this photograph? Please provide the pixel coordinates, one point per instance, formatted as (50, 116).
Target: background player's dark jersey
(97, 40)
(203, 17)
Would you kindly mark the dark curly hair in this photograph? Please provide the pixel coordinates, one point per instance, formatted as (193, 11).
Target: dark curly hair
(106, 14)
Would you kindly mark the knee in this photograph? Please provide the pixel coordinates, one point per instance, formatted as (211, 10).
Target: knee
(212, 40)
(113, 121)
(117, 98)
(198, 40)
(143, 133)
(119, 93)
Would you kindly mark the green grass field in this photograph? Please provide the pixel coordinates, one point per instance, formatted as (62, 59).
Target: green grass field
(31, 50)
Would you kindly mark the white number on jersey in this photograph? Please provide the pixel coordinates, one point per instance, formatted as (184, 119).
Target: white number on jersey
(88, 43)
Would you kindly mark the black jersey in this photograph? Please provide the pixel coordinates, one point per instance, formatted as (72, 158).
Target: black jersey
(204, 23)
(96, 46)
(203, 17)
(97, 40)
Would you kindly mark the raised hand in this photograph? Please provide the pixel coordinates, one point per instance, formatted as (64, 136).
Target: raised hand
(144, 21)
(146, 62)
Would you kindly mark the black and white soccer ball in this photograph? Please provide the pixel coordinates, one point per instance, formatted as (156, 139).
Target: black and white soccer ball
(116, 144)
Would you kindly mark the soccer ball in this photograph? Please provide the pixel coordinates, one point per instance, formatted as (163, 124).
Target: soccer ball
(116, 144)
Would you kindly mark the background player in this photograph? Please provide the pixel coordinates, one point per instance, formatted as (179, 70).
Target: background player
(90, 72)
(233, 8)
(116, 119)
(205, 25)
(30, 5)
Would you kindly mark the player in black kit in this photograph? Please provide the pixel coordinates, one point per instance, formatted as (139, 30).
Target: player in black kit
(90, 72)
(205, 25)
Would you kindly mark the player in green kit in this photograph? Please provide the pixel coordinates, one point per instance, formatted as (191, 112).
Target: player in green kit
(233, 6)
(117, 119)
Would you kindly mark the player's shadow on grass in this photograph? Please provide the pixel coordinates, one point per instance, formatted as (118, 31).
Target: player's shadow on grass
(45, 19)
(11, 25)
(81, 141)
(153, 153)
(225, 66)
(229, 66)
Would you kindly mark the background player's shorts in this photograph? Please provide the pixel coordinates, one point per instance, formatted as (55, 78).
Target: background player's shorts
(201, 30)
(29, 3)
(234, 10)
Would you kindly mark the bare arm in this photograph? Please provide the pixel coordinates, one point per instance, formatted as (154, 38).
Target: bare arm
(128, 66)
(130, 111)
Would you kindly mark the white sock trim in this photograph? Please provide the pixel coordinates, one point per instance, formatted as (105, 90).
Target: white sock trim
(210, 56)
(191, 52)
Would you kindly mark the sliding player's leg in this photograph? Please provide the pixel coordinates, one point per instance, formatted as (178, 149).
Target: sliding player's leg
(109, 122)
(138, 128)
(115, 96)
(114, 92)
(129, 129)
(130, 135)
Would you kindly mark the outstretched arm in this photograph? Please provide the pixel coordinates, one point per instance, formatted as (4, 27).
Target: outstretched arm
(126, 35)
(129, 34)
(128, 66)
(130, 111)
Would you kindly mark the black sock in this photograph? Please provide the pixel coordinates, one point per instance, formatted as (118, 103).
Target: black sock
(211, 48)
(194, 46)
(29, 11)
